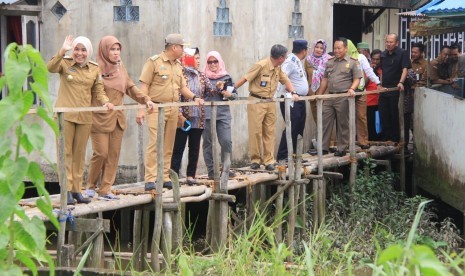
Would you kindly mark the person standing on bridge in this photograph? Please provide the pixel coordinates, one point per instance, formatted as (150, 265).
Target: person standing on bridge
(295, 70)
(80, 79)
(108, 128)
(162, 80)
(342, 75)
(263, 78)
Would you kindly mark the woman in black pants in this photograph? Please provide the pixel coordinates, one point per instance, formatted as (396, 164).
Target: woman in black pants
(191, 119)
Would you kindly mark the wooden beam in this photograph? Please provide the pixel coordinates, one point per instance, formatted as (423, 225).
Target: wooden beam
(20, 10)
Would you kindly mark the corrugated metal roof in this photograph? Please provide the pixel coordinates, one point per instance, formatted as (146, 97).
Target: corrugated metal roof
(444, 7)
(411, 14)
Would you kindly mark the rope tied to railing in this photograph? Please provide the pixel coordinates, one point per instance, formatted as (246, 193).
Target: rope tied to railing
(65, 216)
(353, 160)
(153, 193)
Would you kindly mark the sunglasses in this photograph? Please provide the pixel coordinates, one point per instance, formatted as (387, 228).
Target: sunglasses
(212, 62)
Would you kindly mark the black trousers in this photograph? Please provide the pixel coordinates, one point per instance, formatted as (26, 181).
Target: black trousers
(389, 115)
(298, 116)
(194, 135)
(371, 123)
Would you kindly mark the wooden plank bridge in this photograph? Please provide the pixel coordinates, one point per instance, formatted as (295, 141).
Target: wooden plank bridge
(290, 178)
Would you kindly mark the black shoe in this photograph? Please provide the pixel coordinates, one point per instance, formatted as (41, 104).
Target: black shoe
(332, 149)
(255, 166)
(269, 167)
(364, 147)
(325, 152)
(150, 186)
(80, 199)
(168, 185)
(340, 153)
(313, 152)
(70, 199)
(231, 174)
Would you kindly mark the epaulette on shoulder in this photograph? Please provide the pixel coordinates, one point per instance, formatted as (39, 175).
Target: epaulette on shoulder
(93, 62)
(154, 57)
(352, 58)
(67, 57)
(293, 59)
(331, 57)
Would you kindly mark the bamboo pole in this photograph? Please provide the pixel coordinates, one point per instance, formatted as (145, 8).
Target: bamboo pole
(402, 141)
(318, 205)
(166, 242)
(159, 190)
(136, 240)
(214, 214)
(145, 239)
(279, 210)
(63, 187)
(353, 160)
(290, 167)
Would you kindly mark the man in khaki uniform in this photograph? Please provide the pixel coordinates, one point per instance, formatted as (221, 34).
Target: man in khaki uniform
(263, 78)
(342, 75)
(162, 80)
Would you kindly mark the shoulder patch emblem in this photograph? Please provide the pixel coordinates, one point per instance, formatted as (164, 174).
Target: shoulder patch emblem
(67, 57)
(293, 59)
(154, 57)
(93, 62)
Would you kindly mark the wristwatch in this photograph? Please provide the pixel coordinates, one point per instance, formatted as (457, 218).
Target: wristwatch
(193, 99)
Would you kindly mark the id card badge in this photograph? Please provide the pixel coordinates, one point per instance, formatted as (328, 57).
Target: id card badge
(264, 80)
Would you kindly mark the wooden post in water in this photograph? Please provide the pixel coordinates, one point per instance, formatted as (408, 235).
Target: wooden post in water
(353, 159)
(402, 141)
(177, 218)
(136, 240)
(290, 168)
(318, 184)
(63, 188)
(301, 188)
(159, 191)
(145, 239)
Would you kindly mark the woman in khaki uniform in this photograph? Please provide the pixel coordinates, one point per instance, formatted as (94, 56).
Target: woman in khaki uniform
(108, 128)
(80, 80)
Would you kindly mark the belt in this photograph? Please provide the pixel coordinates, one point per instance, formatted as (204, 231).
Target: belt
(259, 97)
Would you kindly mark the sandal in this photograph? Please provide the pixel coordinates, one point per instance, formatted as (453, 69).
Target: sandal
(191, 181)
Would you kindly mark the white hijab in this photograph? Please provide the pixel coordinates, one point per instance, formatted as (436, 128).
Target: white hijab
(87, 44)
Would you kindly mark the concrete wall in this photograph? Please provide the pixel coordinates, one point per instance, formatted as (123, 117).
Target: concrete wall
(257, 25)
(439, 166)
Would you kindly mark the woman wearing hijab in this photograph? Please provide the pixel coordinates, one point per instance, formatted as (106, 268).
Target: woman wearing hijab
(361, 101)
(79, 80)
(108, 128)
(215, 70)
(191, 120)
(315, 65)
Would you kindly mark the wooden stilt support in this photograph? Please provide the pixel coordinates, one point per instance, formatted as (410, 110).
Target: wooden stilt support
(402, 141)
(177, 218)
(136, 240)
(145, 239)
(97, 249)
(67, 255)
(63, 187)
(159, 190)
(318, 184)
(353, 159)
(291, 174)
(278, 215)
(301, 194)
(167, 239)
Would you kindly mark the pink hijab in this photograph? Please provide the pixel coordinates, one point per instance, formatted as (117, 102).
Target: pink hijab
(319, 65)
(221, 72)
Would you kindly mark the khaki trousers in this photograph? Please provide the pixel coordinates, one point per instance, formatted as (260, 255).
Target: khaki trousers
(76, 136)
(171, 120)
(262, 122)
(336, 109)
(104, 161)
(361, 119)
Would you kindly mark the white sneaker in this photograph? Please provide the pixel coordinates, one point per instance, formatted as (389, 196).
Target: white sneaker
(89, 193)
(108, 197)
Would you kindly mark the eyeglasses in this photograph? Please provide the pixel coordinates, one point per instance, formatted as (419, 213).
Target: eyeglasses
(212, 62)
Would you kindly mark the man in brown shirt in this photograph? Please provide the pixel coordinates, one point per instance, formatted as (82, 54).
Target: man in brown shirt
(419, 64)
(263, 78)
(439, 72)
(162, 80)
(342, 75)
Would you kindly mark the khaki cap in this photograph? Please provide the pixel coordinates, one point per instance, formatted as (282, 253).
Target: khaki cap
(175, 39)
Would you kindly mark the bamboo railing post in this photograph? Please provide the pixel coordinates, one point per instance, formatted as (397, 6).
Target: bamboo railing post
(318, 190)
(159, 190)
(63, 186)
(136, 240)
(300, 198)
(353, 159)
(290, 167)
(402, 141)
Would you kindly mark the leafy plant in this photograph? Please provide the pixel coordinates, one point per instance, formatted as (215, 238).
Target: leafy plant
(22, 239)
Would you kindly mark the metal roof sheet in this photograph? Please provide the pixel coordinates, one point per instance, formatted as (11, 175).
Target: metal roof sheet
(444, 6)
(8, 1)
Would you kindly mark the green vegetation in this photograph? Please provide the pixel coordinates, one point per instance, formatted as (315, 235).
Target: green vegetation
(375, 230)
(23, 240)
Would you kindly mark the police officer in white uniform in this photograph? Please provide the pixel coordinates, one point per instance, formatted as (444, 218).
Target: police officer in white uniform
(294, 68)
